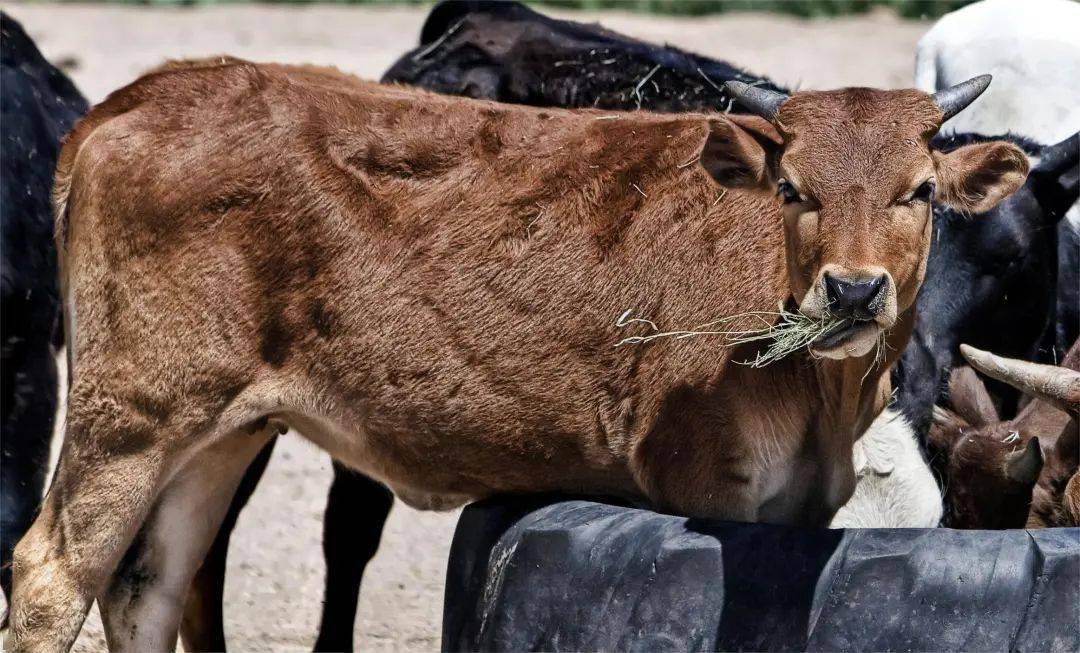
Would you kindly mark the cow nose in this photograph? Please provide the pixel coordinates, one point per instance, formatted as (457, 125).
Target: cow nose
(861, 300)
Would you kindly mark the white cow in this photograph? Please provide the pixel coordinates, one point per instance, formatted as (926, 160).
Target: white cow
(1031, 47)
(895, 487)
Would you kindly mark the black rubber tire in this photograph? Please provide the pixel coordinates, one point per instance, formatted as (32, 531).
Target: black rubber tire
(583, 576)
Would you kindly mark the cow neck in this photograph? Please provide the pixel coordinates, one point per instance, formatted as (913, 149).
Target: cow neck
(856, 390)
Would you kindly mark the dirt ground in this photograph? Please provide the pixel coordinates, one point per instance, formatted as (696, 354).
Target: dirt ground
(274, 586)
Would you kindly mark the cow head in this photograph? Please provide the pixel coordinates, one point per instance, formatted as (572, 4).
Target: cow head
(856, 176)
(996, 473)
(991, 465)
(990, 278)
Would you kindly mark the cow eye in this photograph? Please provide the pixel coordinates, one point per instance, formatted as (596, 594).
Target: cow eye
(787, 192)
(924, 193)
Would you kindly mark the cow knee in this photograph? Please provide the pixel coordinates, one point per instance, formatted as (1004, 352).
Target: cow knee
(45, 611)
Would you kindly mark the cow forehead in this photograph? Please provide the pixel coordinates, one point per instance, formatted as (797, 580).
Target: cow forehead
(908, 107)
(858, 136)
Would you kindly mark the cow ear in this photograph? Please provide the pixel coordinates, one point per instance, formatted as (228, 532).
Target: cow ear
(1056, 178)
(970, 398)
(445, 15)
(740, 151)
(974, 178)
(1025, 465)
(1067, 447)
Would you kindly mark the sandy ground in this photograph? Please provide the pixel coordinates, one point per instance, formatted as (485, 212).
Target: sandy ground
(274, 586)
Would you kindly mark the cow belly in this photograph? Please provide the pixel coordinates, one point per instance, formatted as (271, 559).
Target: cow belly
(433, 470)
(419, 485)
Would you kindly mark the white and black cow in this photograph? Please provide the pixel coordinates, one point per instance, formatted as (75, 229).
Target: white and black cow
(1031, 49)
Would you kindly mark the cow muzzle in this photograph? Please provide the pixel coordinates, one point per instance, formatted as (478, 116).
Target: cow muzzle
(859, 299)
(860, 304)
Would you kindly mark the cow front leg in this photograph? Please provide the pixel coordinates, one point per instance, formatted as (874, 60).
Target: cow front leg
(711, 479)
(836, 486)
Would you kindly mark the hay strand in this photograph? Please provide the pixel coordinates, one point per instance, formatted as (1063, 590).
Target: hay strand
(641, 83)
(439, 41)
(789, 332)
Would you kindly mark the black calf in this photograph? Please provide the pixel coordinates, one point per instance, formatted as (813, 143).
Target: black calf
(38, 105)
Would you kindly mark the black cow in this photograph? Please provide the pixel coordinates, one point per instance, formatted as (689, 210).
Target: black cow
(991, 279)
(38, 105)
(507, 52)
(1068, 300)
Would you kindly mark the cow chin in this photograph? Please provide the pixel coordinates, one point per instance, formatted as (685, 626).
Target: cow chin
(857, 340)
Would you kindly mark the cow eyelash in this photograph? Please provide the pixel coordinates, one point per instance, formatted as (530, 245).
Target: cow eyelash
(787, 192)
(924, 193)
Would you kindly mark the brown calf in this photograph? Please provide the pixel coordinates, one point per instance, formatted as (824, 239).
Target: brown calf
(426, 287)
(1017, 472)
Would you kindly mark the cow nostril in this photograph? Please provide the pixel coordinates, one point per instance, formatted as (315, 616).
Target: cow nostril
(876, 302)
(833, 289)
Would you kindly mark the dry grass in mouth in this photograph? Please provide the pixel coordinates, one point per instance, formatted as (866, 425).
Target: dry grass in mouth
(789, 332)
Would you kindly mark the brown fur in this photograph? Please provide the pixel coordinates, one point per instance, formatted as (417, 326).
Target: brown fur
(1055, 501)
(979, 492)
(427, 288)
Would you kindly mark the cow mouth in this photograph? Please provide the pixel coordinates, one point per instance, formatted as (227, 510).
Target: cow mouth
(841, 333)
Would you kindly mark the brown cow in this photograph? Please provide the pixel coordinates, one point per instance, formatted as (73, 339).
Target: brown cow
(426, 287)
(996, 472)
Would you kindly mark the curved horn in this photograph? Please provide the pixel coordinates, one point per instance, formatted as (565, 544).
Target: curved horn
(1056, 385)
(760, 101)
(952, 100)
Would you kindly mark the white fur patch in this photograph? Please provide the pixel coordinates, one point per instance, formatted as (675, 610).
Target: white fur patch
(894, 486)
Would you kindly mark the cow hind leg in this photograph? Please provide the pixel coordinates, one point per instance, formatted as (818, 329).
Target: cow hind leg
(108, 476)
(203, 625)
(356, 511)
(143, 606)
